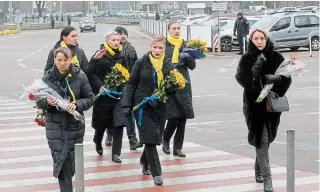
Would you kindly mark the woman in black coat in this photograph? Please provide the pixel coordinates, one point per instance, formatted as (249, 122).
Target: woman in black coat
(63, 131)
(180, 107)
(69, 38)
(144, 79)
(107, 111)
(259, 65)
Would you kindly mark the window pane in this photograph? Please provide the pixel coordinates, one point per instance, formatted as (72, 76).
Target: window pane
(301, 21)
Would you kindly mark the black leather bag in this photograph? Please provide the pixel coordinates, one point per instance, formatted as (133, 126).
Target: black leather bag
(277, 104)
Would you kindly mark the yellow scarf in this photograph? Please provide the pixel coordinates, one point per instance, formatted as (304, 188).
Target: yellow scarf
(74, 60)
(177, 44)
(157, 65)
(73, 98)
(109, 49)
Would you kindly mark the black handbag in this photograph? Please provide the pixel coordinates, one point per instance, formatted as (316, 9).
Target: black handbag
(275, 103)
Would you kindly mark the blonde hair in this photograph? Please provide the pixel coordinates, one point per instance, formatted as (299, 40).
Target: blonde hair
(171, 22)
(110, 33)
(258, 30)
(158, 39)
(65, 51)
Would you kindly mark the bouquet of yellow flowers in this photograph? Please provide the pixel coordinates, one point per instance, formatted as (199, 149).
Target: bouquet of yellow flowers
(170, 83)
(113, 80)
(197, 48)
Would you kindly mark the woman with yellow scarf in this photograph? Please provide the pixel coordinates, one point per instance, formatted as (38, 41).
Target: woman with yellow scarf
(145, 77)
(107, 112)
(69, 39)
(179, 105)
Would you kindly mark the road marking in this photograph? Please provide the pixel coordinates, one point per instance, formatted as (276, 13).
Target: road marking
(213, 95)
(22, 65)
(39, 50)
(20, 60)
(38, 70)
(17, 112)
(216, 78)
(302, 88)
(27, 56)
(222, 70)
(45, 46)
(33, 53)
(142, 34)
(315, 113)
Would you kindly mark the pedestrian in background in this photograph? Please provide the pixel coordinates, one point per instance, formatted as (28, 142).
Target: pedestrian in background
(257, 67)
(69, 38)
(63, 131)
(131, 56)
(144, 79)
(241, 30)
(180, 107)
(107, 112)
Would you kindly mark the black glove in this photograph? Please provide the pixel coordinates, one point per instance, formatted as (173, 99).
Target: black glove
(153, 103)
(256, 68)
(183, 56)
(270, 79)
(169, 89)
(127, 111)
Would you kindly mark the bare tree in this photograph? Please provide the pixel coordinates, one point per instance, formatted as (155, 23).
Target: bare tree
(40, 6)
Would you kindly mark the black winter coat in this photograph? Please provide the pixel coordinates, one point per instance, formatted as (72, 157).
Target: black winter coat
(130, 53)
(139, 86)
(180, 105)
(76, 50)
(107, 111)
(63, 131)
(241, 26)
(256, 114)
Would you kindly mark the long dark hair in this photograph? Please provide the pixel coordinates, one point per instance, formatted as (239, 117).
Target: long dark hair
(66, 31)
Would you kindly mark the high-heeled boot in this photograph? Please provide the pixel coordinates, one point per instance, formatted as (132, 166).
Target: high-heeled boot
(257, 172)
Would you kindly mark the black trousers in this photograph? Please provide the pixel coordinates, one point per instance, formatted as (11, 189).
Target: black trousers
(150, 157)
(262, 159)
(178, 125)
(65, 179)
(117, 138)
(240, 40)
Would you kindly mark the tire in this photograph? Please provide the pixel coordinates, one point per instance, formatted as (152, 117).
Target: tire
(94, 30)
(294, 48)
(226, 44)
(315, 44)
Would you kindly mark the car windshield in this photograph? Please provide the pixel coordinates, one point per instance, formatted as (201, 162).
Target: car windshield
(264, 23)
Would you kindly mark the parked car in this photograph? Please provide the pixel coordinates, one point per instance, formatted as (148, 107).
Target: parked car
(87, 24)
(291, 30)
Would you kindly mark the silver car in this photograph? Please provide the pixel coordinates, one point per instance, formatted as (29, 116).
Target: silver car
(291, 30)
(87, 24)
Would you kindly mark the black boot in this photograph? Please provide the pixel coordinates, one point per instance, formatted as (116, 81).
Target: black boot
(178, 153)
(145, 169)
(108, 140)
(99, 148)
(267, 185)
(158, 180)
(257, 173)
(166, 147)
(116, 159)
(134, 143)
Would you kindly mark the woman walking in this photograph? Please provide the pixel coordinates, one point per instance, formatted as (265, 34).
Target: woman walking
(63, 131)
(145, 77)
(256, 68)
(107, 111)
(69, 39)
(180, 107)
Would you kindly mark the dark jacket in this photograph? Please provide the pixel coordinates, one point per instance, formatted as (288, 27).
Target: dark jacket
(107, 111)
(180, 105)
(139, 86)
(256, 114)
(63, 131)
(130, 53)
(76, 50)
(241, 26)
